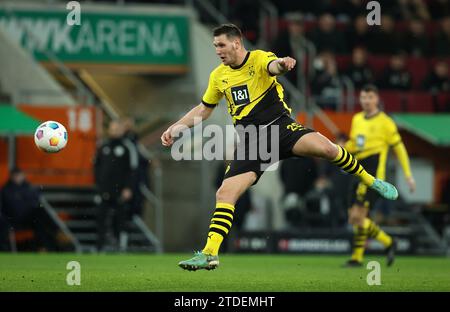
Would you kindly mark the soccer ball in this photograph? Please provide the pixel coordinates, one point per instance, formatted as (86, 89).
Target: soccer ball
(50, 137)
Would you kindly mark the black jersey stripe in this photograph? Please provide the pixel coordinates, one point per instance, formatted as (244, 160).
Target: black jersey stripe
(209, 104)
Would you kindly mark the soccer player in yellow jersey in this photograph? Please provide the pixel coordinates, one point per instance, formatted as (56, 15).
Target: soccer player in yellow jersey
(247, 79)
(372, 134)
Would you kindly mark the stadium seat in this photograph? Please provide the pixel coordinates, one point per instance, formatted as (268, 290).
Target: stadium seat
(393, 101)
(443, 102)
(419, 102)
(343, 62)
(378, 64)
(419, 69)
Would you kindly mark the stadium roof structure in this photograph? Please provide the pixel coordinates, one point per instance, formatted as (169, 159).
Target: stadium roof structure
(15, 122)
(433, 128)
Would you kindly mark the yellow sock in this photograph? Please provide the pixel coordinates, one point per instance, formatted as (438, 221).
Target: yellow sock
(220, 226)
(359, 241)
(378, 234)
(349, 164)
(358, 254)
(213, 244)
(385, 239)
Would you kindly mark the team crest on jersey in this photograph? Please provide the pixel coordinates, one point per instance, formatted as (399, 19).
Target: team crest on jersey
(251, 71)
(360, 140)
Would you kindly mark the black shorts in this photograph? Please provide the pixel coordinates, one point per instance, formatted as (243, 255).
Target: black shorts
(277, 138)
(361, 194)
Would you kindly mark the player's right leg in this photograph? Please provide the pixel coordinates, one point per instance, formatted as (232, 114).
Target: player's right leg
(357, 215)
(226, 197)
(364, 228)
(316, 145)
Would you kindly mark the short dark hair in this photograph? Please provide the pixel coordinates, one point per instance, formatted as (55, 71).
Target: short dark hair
(230, 30)
(370, 88)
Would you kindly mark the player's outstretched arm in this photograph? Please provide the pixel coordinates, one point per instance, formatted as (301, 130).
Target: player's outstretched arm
(194, 116)
(282, 65)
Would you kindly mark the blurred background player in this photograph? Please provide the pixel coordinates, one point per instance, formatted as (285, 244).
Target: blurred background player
(142, 177)
(372, 134)
(115, 168)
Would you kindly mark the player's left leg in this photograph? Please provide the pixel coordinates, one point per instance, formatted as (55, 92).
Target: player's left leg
(226, 197)
(316, 145)
(357, 215)
(365, 228)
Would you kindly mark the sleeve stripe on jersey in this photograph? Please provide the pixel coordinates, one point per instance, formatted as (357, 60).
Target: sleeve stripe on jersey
(209, 104)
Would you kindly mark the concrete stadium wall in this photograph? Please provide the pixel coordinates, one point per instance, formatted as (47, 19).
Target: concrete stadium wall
(19, 73)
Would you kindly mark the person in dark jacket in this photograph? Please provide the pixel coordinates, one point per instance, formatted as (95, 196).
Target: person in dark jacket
(417, 42)
(360, 35)
(115, 168)
(385, 40)
(396, 75)
(359, 71)
(438, 80)
(22, 210)
(326, 83)
(442, 48)
(142, 176)
(294, 42)
(326, 37)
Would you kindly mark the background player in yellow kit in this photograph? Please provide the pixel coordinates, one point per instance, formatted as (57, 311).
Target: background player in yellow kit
(372, 134)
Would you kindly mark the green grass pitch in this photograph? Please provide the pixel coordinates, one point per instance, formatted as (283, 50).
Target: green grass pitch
(125, 272)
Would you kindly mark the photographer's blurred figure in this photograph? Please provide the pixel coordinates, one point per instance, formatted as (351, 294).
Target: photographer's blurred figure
(22, 211)
(142, 177)
(115, 168)
(4, 234)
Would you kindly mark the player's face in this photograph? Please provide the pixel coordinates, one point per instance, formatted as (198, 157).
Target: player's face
(226, 49)
(18, 178)
(115, 129)
(369, 101)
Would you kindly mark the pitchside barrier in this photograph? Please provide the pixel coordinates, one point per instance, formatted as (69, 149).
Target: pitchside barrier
(313, 242)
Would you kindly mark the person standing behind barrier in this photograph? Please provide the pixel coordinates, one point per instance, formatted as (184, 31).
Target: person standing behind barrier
(115, 168)
(142, 176)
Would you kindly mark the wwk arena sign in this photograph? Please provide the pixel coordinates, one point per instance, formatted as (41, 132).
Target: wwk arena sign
(102, 37)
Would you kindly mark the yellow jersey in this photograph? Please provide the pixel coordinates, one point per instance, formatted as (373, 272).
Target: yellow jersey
(374, 136)
(253, 95)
